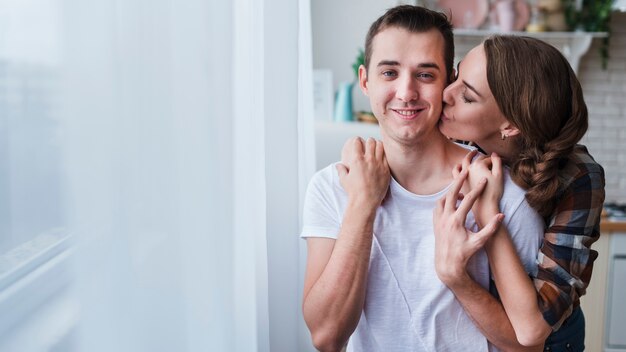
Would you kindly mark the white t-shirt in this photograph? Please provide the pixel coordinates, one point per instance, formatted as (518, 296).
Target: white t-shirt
(407, 307)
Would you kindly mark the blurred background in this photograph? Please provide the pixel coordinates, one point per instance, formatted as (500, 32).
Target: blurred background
(152, 161)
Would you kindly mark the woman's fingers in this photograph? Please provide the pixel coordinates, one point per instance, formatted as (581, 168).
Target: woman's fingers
(469, 200)
(480, 238)
(453, 193)
(456, 170)
(496, 168)
(467, 160)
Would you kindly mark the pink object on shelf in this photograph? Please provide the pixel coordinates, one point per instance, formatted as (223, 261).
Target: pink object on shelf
(469, 14)
(505, 13)
(521, 15)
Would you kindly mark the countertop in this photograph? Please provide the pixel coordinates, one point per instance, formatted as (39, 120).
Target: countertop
(607, 225)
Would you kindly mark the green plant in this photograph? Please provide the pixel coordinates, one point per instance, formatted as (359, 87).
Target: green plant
(591, 16)
(360, 60)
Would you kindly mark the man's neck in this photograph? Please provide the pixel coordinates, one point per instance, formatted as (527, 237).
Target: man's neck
(424, 167)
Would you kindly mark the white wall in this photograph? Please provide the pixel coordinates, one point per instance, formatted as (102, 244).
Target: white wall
(339, 29)
(604, 93)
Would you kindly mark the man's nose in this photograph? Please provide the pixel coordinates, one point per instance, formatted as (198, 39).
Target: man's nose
(407, 89)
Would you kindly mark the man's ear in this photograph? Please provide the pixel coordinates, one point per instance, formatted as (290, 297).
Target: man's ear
(363, 79)
(452, 76)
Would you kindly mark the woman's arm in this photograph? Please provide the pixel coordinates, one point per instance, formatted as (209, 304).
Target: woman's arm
(454, 245)
(516, 290)
(566, 256)
(488, 314)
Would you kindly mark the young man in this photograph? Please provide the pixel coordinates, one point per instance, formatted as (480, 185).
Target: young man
(371, 249)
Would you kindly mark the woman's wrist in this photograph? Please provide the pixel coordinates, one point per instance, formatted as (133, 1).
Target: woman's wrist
(485, 213)
(454, 278)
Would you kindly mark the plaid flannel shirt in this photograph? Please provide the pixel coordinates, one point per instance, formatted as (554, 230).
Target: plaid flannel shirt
(565, 260)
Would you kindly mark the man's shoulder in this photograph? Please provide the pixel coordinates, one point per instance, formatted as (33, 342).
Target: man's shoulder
(513, 195)
(326, 176)
(326, 181)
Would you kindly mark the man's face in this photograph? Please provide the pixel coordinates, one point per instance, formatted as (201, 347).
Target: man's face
(404, 83)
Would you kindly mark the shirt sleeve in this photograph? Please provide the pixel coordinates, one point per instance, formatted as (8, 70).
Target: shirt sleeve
(524, 225)
(526, 228)
(565, 259)
(321, 215)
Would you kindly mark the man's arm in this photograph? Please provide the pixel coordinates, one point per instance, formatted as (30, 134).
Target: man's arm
(336, 279)
(336, 276)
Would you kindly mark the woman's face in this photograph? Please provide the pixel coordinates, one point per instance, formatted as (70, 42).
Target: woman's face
(470, 112)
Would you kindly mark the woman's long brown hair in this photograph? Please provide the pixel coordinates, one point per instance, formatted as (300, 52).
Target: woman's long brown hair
(538, 92)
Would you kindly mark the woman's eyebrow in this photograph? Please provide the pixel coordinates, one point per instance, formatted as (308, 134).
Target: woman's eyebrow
(471, 87)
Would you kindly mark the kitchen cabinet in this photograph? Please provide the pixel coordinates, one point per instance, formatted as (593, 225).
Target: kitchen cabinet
(605, 312)
(615, 332)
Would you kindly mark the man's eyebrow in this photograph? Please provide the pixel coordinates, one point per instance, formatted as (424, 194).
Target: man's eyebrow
(429, 65)
(396, 63)
(472, 88)
(388, 63)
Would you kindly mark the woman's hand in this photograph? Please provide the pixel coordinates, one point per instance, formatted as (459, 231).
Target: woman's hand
(364, 172)
(454, 244)
(487, 168)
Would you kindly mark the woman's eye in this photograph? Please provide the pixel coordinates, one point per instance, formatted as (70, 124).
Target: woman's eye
(466, 99)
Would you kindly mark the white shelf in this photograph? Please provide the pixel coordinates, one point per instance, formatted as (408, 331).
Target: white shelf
(548, 35)
(573, 45)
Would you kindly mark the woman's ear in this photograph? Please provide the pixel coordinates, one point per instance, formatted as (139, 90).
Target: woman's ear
(509, 130)
(363, 79)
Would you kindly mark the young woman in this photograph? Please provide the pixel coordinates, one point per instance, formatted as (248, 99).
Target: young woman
(519, 101)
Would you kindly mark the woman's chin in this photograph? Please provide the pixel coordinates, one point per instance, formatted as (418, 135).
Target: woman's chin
(447, 132)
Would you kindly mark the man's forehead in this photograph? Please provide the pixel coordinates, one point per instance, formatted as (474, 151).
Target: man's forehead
(428, 45)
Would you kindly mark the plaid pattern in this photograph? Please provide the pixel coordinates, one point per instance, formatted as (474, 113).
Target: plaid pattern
(565, 260)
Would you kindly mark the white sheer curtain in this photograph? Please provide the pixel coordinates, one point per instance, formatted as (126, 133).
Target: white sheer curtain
(187, 135)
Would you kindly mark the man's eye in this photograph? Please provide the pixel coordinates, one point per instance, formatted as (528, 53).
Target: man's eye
(388, 73)
(426, 76)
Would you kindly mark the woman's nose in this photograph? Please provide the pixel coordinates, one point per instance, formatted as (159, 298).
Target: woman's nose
(447, 95)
